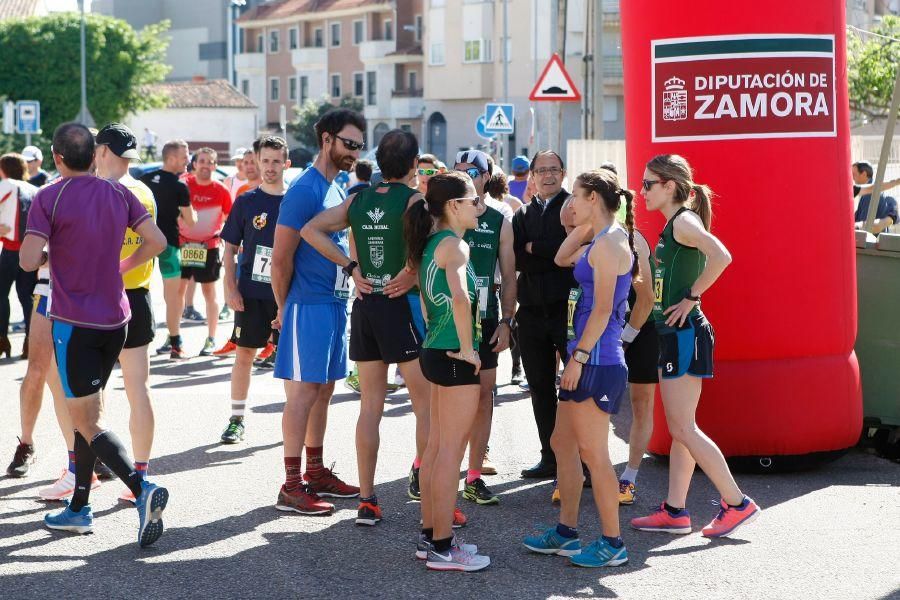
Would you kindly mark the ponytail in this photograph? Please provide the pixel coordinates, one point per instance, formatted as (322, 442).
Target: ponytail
(419, 219)
(629, 227)
(697, 197)
(417, 225)
(702, 204)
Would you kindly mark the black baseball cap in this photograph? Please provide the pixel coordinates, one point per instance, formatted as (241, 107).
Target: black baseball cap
(120, 140)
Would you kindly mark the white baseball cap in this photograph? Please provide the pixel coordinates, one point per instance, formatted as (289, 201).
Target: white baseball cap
(239, 153)
(32, 153)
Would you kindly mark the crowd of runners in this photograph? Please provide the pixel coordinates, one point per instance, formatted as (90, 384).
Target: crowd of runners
(434, 268)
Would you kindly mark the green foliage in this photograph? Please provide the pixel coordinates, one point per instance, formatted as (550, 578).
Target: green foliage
(872, 66)
(40, 60)
(303, 126)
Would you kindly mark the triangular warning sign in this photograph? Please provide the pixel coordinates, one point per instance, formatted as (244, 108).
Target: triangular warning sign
(498, 120)
(554, 84)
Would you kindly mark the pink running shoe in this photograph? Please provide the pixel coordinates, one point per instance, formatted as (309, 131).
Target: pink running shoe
(661, 520)
(730, 518)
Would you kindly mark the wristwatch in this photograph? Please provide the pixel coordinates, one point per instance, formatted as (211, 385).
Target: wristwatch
(348, 270)
(581, 356)
(687, 295)
(509, 322)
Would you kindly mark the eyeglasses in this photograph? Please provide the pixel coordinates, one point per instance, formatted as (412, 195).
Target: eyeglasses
(473, 172)
(351, 145)
(649, 183)
(473, 200)
(429, 172)
(548, 171)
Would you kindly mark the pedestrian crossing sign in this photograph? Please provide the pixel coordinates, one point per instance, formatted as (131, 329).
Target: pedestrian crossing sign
(499, 118)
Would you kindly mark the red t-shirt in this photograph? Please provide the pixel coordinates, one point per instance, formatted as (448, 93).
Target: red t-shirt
(212, 202)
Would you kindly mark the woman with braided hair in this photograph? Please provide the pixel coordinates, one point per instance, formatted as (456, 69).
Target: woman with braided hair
(593, 382)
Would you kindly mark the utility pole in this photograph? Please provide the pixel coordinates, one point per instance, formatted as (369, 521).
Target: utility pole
(597, 78)
(505, 55)
(561, 14)
(587, 70)
(84, 115)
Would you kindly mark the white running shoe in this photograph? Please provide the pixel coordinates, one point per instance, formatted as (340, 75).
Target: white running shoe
(127, 496)
(456, 559)
(64, 486)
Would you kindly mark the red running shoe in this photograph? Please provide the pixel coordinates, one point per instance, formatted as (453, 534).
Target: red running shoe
(302, 502)
(459, 519)
(229, 348)
(325, 483)
(266, 352)
(730, 518)
(661, 520)
(368, 514)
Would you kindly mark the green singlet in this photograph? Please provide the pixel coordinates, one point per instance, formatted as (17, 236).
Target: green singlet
(439, 300)
(677, 269)
(484, 252)
(376, 219)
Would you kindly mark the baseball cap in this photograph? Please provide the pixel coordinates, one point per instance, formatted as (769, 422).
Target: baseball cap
(520, 164)
(32, 153)
(120, 140)
(473, 157)
(239, 153)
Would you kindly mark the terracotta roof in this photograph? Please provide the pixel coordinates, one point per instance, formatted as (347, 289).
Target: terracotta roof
(212, 93)
(16, 9)
(280, 9)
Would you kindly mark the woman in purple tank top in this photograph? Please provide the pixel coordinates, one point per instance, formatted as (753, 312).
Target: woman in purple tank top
(594, 379)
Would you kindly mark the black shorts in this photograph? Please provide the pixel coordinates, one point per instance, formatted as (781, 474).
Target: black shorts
(642, 356)
(253, 325)
(384, 329)
(207, 274)
(142, 326)
(489, 358)
(440, 369)
(688, 350)
(85, 357)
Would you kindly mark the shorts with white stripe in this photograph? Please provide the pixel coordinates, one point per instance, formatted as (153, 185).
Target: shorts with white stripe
(313, 343)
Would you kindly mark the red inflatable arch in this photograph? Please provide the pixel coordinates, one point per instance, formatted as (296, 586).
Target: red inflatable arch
(754, 95)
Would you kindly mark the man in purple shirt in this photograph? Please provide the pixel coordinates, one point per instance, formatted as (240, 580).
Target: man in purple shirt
(81, 219)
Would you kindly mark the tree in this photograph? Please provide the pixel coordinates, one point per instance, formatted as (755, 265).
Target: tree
(872, 65)
(39, 60)
(303, 126)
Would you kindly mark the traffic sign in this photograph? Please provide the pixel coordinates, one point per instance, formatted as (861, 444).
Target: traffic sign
(28, 116)
(481, 130)
(554, 84)
(500, 118)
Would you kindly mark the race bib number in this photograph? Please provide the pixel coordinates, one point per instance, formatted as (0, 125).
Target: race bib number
(262, 265)
(574, 296)
(482, 288)
(341, 284)
(658, 276)
(193, 255)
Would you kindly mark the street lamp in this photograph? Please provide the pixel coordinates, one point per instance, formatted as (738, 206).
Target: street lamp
(84, 115)
(234, 7)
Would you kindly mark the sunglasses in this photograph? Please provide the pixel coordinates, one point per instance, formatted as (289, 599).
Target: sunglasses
(649, 183)
(473, 200)
(473, 172)
(351, 145)
(429, 172)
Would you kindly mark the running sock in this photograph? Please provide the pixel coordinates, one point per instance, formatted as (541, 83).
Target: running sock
(373, 500)
(109, 449)
(293, 473)
(142, 468)
(72, 461)
(615, 542)
(84, 471)
(472, 475)
(417, 463)
(566, 531)
(428, 532)
(175, 340)
(672, 510)
(237, 407)
(314, 465)
(629, 474)
(740, 506)
(442, 546)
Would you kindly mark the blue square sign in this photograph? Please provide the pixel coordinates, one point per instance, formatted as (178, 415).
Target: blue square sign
(28, 116)
(499, 118)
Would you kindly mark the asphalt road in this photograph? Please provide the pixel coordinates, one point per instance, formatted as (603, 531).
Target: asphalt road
(829, 533)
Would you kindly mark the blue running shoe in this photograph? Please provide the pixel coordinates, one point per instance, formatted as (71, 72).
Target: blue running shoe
(66, 519)
(550, 542)
(150, 505)
(600, 554)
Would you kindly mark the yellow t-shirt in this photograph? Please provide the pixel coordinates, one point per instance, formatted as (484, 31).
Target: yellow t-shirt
(138, 277)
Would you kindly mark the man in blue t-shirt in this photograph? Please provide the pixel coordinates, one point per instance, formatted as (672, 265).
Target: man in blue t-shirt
(886, 211)
(312, 294)
(248, 289)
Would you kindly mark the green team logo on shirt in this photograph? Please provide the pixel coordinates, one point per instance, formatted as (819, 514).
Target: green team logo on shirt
(375, 214)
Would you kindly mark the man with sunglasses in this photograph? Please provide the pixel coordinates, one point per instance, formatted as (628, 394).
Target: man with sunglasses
(428, 167)
(543, 292)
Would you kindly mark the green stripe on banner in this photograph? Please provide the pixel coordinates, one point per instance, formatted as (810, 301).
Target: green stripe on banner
(741, 46)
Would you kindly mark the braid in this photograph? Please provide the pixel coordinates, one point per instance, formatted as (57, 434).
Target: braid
(629, 226)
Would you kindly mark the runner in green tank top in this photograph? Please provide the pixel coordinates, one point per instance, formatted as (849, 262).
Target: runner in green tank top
(385, 325)
(437, 297)
(677, 268)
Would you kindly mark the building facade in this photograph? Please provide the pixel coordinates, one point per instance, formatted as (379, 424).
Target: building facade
(294, 50)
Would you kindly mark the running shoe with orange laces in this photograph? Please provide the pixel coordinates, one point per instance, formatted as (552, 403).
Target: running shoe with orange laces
(662, 520)
(65, 486)
(229, 348)
(325, 483)
(368, 514)
(731, 517)
(303, 502)
(266, 352)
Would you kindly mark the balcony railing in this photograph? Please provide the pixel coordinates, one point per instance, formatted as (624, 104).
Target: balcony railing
(407, 93)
